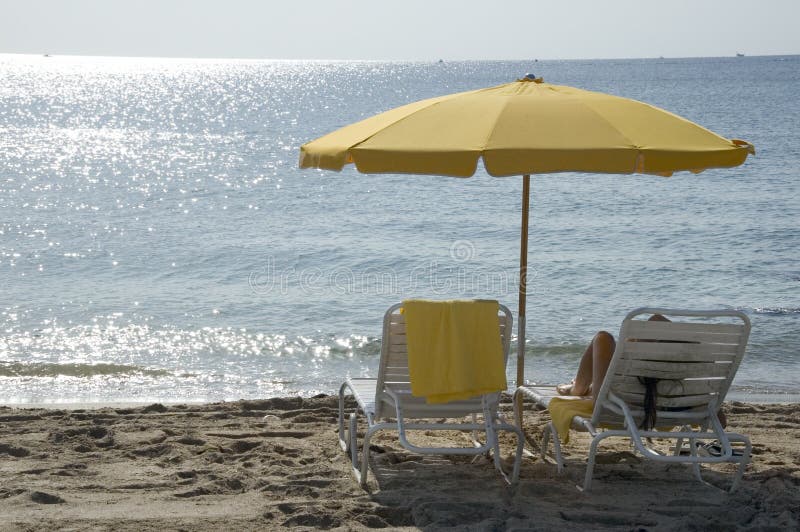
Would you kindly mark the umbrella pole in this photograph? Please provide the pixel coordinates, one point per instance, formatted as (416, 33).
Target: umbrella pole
(523, 279)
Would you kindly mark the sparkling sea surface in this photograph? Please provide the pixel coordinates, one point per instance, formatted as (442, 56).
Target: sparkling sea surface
(159, 243)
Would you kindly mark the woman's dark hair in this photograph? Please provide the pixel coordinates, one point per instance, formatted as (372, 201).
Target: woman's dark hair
(651, 388)
(649, 406)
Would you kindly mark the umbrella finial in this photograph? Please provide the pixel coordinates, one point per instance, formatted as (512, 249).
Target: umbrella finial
(532, 77)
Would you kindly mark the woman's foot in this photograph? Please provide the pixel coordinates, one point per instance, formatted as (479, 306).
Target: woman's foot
(565, 389)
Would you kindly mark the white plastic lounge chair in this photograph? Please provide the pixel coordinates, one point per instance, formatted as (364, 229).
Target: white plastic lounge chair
(387, 403)
(694, 361)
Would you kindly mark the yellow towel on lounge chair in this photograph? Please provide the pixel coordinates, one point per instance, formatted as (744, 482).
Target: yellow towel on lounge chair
(454, 349)
(563, 409)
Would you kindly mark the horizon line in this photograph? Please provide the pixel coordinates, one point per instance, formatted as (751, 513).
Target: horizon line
(354, 60)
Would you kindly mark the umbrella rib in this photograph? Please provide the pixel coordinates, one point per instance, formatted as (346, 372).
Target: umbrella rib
(491, 132)
(586, 105)
(640, 152)
(434, 102)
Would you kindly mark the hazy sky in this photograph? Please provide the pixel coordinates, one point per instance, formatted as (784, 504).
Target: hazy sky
(408, 29)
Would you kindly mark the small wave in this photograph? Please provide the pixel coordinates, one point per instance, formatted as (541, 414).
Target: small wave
(42, 369)
(557, 350)
(777, 311)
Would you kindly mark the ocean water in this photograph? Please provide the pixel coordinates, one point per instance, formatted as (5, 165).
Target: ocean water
(158, 243)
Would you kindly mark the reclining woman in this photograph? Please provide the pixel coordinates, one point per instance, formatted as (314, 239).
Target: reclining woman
(594, 365)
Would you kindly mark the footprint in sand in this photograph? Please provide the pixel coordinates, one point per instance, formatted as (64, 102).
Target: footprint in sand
(152, 451)
(190, 440)
(243, 446)
(12, 450)
(46, 498)
(88, 438)
(216, 487)
(156, 408)
(35, 471)
(311, 482)
(313, 516)
(70, 470)
(317, 521)
(196, 492)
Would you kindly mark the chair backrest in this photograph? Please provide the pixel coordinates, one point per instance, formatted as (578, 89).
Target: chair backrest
(694, 358)
(393, 370)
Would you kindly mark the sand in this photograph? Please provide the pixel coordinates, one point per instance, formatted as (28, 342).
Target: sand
(276, 464)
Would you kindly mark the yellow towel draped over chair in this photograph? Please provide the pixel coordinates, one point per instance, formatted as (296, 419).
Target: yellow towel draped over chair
(454, 349)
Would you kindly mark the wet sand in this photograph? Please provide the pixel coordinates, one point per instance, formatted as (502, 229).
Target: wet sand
(275, 464)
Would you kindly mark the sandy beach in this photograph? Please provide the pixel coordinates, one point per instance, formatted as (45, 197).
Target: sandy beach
(275, 464)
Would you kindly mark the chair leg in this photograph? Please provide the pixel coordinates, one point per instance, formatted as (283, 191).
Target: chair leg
(492, 424)
(362, 475)
(587, 482)
(556, 446)
(491, 436)
(496, 424)
(744, 460)
(679, 442)
(474, 433)
(489, 420)
(343, 443)
(348, 440)
(518, 455)
(352, 441)
(545, 440)
(695, 465)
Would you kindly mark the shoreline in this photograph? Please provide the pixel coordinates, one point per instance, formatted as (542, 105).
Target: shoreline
(276, 463)
(758, 398)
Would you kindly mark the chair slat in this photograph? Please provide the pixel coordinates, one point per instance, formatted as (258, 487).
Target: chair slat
(397, 361)
(627, 384)
(687, 332)
(669, 370)
(398, 349)
(669, 402)
(680, 351)
(396, 375)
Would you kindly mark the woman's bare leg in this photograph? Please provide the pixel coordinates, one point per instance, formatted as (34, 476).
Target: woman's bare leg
(594, 363)
(603, 346)
(583, 379)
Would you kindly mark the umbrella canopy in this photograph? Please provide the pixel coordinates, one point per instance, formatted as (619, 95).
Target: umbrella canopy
(522, 128)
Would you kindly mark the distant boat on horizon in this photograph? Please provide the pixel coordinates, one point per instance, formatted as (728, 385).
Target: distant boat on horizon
(739, 54)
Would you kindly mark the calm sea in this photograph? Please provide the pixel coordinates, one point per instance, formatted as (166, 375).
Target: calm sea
(158, 243)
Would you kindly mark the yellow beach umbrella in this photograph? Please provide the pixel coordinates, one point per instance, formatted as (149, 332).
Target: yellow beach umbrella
(522, 128)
